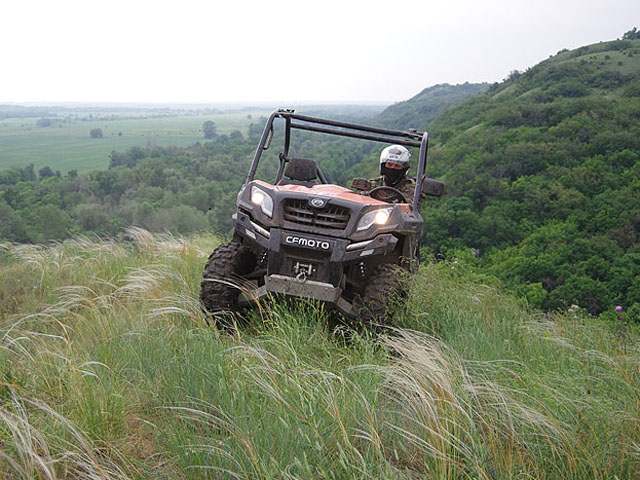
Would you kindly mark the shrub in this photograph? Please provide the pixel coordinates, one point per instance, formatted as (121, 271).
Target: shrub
(43, 122)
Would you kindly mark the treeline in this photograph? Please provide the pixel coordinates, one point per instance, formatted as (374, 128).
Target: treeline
(162, 189)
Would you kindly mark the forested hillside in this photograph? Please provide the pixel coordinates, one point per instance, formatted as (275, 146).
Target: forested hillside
(419, 111)
(543, 177)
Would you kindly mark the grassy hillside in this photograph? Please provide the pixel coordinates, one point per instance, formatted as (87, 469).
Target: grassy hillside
(109, 370)
(543, 178)
(419, 111)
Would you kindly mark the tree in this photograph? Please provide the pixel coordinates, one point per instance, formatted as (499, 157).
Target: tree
(43, 122)
(11, 225)
(51, 223)
(632, 34)
(513, 76)
(45, 172)
(255, 129)
(236, 136)
(209, 129)
(91, 217)
(96, 133)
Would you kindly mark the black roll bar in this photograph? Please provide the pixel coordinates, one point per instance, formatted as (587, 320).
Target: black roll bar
(263, 140)
(422, 165)
(363, 136)
(354, 126)
(408, 138)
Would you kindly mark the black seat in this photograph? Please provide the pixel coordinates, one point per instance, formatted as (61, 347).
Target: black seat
(300, 171)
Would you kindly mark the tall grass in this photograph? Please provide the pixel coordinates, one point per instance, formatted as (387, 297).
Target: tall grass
(108, 369)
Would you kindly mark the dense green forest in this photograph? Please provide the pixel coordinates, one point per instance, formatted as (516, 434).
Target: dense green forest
(543, 177)
(175, 189)
(542, 173)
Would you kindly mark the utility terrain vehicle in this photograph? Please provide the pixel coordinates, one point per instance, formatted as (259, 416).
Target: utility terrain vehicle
(302, 236)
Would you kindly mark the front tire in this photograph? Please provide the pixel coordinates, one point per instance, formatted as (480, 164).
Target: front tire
(382, 294)
(222, 277)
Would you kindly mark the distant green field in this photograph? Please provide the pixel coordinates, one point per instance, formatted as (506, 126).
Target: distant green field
(67, 145)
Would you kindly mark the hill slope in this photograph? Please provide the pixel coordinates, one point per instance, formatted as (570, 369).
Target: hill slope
(419, 111)
(108, 370)
(543, 176)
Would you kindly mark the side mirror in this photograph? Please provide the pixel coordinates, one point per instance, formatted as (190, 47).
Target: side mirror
(432, 187)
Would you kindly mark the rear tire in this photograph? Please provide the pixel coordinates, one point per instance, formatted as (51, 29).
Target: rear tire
(224, 270)
(382, 294)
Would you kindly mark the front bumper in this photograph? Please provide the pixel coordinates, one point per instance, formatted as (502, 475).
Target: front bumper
(324, 260)
(290, 286)
(329, 255)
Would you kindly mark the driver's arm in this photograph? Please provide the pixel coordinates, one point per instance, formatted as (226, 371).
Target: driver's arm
(408, 189)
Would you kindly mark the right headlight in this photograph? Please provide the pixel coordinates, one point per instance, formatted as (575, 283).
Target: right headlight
(262, 198)
(379, 216)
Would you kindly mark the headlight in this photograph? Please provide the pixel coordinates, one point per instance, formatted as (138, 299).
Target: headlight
(260, 197)
(379, 217)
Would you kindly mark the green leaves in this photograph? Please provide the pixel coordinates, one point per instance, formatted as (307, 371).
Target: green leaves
(545, 168)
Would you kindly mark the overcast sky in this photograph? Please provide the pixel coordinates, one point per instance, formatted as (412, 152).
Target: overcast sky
(283, 51)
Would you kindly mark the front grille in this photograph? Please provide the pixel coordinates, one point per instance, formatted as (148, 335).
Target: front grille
(331, 216)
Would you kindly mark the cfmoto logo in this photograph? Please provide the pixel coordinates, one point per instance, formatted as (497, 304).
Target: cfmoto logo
(307, 242)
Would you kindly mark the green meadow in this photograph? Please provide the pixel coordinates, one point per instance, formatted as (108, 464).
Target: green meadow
(67, 145)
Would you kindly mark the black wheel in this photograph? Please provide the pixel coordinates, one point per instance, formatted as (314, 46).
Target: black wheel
(223, 275)
(382, 294)
(388, 194)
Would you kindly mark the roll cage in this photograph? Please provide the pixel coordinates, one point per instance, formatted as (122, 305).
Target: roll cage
(294, 121)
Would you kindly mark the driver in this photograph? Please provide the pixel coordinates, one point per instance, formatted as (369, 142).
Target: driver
(395, 161)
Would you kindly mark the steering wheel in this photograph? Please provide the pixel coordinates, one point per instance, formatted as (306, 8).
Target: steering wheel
(388, 194)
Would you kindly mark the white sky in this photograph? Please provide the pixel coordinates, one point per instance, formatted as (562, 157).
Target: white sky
(280, 50)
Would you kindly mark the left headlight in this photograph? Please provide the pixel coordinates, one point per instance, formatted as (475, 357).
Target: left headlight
(379, 217)
(262, 198)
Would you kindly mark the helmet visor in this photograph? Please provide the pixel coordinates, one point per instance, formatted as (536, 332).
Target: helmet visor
(394, 165)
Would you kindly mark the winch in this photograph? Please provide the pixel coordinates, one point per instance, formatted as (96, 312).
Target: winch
(303, 270)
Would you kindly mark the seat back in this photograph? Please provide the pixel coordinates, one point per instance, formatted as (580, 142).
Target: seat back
(300, 171)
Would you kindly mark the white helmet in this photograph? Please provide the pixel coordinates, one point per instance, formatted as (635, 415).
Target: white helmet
(396, 154)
